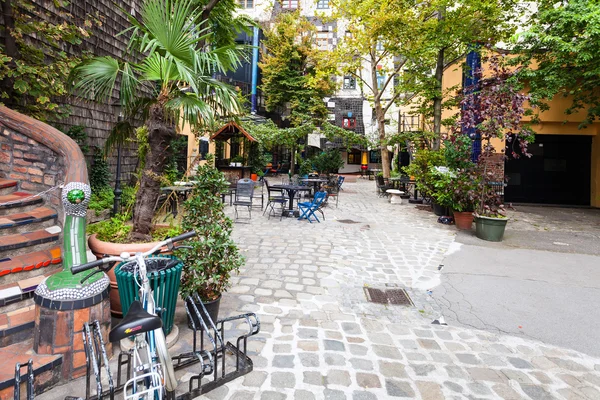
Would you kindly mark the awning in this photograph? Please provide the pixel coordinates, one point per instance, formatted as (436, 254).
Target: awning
(229, 130)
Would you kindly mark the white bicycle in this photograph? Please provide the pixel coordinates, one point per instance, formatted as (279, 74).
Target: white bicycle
(152, 368)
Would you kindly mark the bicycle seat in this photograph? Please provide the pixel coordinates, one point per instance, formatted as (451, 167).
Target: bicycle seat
(137, 320)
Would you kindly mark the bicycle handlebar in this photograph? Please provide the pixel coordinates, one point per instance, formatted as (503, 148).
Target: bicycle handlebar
(167, 242)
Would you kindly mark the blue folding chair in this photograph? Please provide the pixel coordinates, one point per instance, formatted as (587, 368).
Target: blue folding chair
(308, 208)
(340, 182)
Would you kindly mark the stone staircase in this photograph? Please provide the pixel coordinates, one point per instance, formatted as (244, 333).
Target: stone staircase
(29, 251)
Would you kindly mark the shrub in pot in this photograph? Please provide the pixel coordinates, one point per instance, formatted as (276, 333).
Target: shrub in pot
(421, 169)
(213, 256)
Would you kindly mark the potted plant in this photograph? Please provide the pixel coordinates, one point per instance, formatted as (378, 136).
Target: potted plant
(213, 255)
(494, 109)
(238, 160)
(421, 169)
(305, 168)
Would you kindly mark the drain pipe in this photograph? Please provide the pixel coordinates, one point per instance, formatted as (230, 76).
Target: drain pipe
(255, 33)
(471, 76)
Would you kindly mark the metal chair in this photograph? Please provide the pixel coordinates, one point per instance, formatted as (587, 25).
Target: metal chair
(274, 196)
(243, 196)
(382, 186)
(308, 208)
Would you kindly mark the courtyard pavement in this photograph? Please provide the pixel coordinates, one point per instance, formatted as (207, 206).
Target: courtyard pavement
(322, 339)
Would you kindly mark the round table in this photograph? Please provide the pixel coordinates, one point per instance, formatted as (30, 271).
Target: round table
(395, 196)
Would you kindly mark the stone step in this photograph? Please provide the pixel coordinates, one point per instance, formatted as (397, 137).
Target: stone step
(19, 286)
(46, 368)
(8, 186)
(35, 240)
(17, 325)
(18, 200)
(42, 217)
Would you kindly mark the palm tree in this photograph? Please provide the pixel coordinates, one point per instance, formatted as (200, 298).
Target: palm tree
(173, 83)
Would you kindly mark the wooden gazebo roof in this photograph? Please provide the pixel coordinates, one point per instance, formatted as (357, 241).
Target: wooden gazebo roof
(229, 130)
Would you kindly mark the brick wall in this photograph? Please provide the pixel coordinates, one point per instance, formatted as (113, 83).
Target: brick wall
(37, 167)
(98, 119)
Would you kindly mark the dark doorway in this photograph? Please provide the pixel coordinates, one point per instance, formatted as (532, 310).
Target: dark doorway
(557, 173)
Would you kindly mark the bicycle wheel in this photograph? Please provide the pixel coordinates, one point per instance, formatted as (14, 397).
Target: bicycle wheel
(146, 385)
(167, 365)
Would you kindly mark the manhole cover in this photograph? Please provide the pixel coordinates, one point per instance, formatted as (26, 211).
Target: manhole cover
(348, 221)
(389, 296)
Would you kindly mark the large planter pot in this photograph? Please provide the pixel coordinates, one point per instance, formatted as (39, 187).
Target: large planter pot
(439, 210)
(212, 307)
(254, 177)
(463, 220)
(490, 229)
(100, 249)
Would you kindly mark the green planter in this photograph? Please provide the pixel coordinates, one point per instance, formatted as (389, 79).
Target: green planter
(164, 273)
(490, 229)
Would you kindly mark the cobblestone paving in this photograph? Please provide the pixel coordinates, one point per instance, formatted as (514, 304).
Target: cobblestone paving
(321, 339)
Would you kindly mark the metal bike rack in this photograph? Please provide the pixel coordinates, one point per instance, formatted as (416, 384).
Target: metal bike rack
(30, 377)
(212, 359)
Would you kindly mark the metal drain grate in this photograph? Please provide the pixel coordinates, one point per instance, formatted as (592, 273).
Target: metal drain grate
(391, 296)
(348, 221)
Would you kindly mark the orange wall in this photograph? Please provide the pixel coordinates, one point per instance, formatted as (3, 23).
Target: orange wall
(552, 122)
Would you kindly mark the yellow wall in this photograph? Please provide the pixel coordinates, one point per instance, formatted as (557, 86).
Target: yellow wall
(194, 148)
(552, 122)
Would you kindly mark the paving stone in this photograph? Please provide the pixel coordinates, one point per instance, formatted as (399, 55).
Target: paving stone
(391, 369)
(308, 345)
(541, 377)
(303, 395)
(361, 364)
(486, 374)
(519, 363)
(334, 345)
(282, 348)
(334, 359)
(338, 377)
(455, 387)
(399, 389)
(422, 369)
(569, 365)
(429, 344)
(457, 372)
(351, 328)
(517, 376)
(270, 395)
(387, 352)
(430, 390)
(467, 358)
(283, 380)
(242, 396)
(314, 378)
(308, 333)
(536, 392)
(309, 359)
(357, 395)
(280, 361)
(330, 394)
(479, 388)
(255, 378)
(506, 392)
(367, 380)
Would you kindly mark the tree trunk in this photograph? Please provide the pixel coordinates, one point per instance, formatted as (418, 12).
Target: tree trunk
(160, 133)
(292, 160)
(437, 100)
(385, 155)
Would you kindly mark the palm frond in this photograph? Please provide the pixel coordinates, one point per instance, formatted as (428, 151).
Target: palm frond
(118, 135)
(95, 78)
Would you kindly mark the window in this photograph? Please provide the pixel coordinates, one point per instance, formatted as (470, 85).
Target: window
(246, 3)
(203, 148)
(354, 157)
(349, 82)
(380, 81)
(289, 4)
(322, 4)
(375, 156)
(323, 40)
(349, 122)
(379, 45)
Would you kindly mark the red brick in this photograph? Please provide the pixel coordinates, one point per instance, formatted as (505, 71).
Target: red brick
(78, 359)
(22, 170)
(78, 341)
(35, 179)
(4, 167)
(81, 317)
(35, 171)
(61, 350)
(19, 161)
(5, 146)
(19, 177)
(49, 180)
(17, 154)
(62, 329)
(29, 186)
(22, 147)
(78, 373)
(5, 157)
(19, 137)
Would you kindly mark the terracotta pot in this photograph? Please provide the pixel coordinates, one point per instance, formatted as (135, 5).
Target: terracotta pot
(100, 249)
(463, 220)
